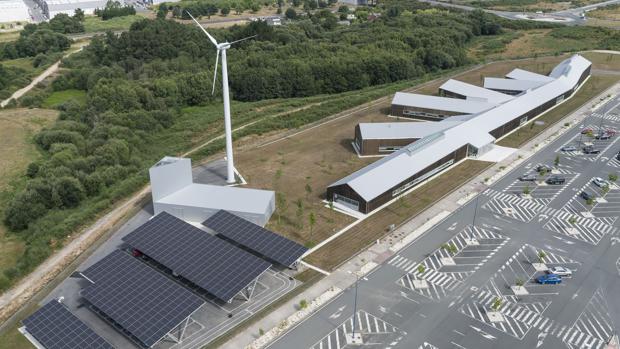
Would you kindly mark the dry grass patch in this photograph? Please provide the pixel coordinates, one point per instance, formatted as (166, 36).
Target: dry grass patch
(409, 206)
(17, 127)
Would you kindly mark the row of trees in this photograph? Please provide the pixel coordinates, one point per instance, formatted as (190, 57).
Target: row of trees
(115, 9)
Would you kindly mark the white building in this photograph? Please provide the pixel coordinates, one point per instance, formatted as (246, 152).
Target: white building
(53, 7)
(175, 192)
(13, 11)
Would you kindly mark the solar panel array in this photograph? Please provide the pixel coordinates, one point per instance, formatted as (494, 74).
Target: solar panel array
(256, 238)
(214, 265)
(141, 300)
(55, 327)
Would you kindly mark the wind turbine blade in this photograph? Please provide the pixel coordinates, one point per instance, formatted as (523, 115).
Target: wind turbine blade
(249, 37)
(217, 58)
(203, 29)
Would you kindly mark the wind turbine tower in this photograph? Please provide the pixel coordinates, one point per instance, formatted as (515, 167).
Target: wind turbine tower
(221, 50)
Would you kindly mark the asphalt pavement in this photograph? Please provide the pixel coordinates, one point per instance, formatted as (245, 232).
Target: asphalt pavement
(476, 256)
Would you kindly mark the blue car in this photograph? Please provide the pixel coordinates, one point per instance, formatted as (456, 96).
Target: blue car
(549, 279)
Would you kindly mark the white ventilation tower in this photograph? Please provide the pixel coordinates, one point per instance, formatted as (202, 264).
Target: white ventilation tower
(221, 49)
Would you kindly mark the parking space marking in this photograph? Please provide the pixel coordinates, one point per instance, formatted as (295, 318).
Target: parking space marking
(427, 345)
(595, 319)
(590, 230)
(518, 320)
(512, 206)
(367, 324)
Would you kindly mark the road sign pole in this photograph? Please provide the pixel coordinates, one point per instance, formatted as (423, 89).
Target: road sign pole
(355, 309)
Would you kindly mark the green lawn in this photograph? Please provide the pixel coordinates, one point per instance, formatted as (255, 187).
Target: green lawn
(95, 24)
(59, 97)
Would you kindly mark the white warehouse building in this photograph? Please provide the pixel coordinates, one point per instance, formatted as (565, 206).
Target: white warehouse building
(13, 11)
(53, 7)
(175, 192)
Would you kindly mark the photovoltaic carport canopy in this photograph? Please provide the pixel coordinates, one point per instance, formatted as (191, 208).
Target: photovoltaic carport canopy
(256, 238)
(55, 327)
(140, 299)
(212, 264)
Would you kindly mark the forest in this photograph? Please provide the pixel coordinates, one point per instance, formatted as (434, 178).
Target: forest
(137, 82)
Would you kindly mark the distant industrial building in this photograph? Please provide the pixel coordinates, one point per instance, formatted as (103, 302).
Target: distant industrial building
(174, 191)
(13, 11)
(434, 108)
(442, 146)
(51, 8)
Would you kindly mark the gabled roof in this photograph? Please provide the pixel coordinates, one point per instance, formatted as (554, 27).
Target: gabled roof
(440, 103)
(520, 74)
(511, 84)
(473, 91)
(403, 130)
(378, 177)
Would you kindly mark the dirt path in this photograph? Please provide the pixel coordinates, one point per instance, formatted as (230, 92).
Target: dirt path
(47, 73)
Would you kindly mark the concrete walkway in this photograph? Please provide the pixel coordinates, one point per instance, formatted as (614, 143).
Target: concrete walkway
(411, 230)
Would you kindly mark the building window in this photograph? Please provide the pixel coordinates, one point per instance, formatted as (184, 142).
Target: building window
(389, 149)
(428, 174)
(523, 121)
(422, 114)
(354, 204)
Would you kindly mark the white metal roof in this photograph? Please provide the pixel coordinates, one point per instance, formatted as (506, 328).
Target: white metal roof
(470, 90)
(13, 11)
(219, 197)
(520, 74)
(511, 84)
(440, 103)
(378, 177)
(403, 130)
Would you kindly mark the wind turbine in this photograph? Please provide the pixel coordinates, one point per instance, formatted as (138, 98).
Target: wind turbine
(221, 50)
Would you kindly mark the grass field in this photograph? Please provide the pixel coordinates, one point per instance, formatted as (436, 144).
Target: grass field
(95, 24)
(17, 127)
(59, 97)
(376, 226)
(611, 12)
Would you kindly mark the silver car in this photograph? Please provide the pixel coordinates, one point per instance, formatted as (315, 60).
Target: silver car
(561, 271)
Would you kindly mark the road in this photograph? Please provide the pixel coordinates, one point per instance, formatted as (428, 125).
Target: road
(503, 246)
(569, 17)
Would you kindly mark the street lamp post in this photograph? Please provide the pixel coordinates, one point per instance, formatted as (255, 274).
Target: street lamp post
(357, 279)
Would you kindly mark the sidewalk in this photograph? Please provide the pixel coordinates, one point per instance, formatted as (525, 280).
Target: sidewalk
(408, 232)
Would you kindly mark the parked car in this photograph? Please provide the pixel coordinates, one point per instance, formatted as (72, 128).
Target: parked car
(541, 167)
(611, 131)
(602, 136)
(586, 130)
(590, 150)
(600, 182)
(528, 177)
(555, 180)
(586, 196)
(549, 279)
(618, 156)
(568, 148)
(560, 271)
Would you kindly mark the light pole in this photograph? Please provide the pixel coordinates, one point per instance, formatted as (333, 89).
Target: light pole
(357, 279)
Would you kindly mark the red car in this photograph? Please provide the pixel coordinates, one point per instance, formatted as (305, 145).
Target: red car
(611, 131)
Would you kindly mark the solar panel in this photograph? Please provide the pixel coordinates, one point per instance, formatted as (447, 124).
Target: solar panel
(256, 238)
(212, 264)
(141, 300)
(55, 327)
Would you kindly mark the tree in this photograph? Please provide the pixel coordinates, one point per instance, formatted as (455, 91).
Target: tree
(541, 256)
(303, 304)
(497, 303)
(300, 213)
(556, 161)
(343, 9)
(526, 190)
(290, 13)
(281, 205)
(612, 177)
(519, 282)
(225, 10)
(297, 3)
(78, 14)
(605, 190)
(572, 220)
(311, 222)
(421, 269)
